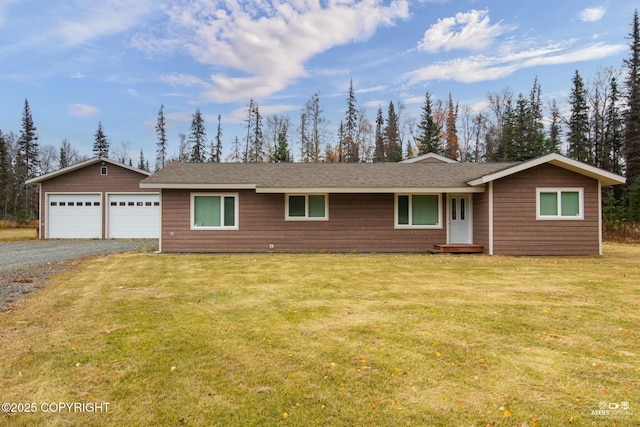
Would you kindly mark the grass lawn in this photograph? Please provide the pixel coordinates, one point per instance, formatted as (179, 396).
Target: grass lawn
(17, 234)
(329, 340)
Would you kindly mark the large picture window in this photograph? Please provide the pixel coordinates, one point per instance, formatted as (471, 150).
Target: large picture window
(418, 210)
(559, 203)
(300, 207)
(211, 211)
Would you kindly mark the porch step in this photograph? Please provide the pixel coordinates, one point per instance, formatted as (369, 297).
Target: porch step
(457, 249)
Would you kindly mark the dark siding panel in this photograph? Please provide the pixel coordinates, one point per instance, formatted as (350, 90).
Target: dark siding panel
(516, 230)
(357, 222)
(481, 219)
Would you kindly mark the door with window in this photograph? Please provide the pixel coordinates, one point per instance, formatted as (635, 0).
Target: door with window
(460, 219)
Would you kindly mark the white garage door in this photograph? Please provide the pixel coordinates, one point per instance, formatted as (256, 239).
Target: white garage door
(74, 216)
(134, 216)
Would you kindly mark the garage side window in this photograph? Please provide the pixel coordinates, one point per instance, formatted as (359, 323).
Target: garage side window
(559, 203)
(214, 211)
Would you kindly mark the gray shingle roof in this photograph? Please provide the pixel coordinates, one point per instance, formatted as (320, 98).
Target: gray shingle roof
(371, 176)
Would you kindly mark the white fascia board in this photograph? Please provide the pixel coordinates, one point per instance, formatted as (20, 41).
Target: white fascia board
(352, 190)
(607, 178)
(211, 186)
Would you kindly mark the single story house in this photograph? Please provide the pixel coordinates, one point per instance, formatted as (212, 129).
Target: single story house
(547, 206)
(97, 199)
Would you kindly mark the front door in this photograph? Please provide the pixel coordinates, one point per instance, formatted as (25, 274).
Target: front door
(460, 219)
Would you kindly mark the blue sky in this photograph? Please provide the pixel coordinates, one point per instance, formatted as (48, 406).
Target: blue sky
(80, 62)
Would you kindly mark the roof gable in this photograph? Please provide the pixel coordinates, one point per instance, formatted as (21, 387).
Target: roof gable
(81, 165)
(429, 157)
(606, 178)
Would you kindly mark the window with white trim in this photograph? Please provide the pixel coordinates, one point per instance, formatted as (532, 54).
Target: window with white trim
(559, 203)
(306, 207)
(418, 211)
(214, 211)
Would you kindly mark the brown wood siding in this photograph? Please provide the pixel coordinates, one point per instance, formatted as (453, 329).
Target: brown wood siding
(481, 219)
(89, 180)
(516, 230)
(357, 222)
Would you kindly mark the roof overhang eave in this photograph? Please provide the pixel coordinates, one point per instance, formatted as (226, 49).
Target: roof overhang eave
(189, 186)
(369, 190)
(285, 190)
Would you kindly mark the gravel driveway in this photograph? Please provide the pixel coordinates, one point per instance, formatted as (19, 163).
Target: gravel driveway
(25, 266)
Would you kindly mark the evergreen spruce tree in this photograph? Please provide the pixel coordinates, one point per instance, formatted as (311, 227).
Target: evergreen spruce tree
(553, 141)
(100, 143)
(312, 127)
(281, 153)
(141, 164)
(216, 149)
(578, 135)
(451, 148)
(506, 150)
(380, 152)
(198, 138)
(350, 152)
(305, 143)
(236, 151)
(256, 152)
(161, 133)
(340, 149)
(535, 145)
(250, 120)
(392, 136)
(27, 165)
(429, 135)
(63, 161)
(613, 131)
(5, 169)
(632, 117)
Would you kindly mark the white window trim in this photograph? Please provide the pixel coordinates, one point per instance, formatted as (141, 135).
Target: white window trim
(306, 216)
(221, 227)
(560, 190)
(407, 226)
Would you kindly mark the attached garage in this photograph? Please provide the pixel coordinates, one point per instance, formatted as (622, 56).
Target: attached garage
(134, 216)
(74, 215)
(97, 199)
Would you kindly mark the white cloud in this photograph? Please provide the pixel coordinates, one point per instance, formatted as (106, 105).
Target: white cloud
(263, 46)
(4, 6)
(90, 19)
(470, 30)
(592, 14)
(480, 68)
(83, 110)
(371, 89)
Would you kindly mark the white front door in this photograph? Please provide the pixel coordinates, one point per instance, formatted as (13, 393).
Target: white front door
(460, 219)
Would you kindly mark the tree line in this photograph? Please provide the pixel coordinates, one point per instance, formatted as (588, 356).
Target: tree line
(600, 128)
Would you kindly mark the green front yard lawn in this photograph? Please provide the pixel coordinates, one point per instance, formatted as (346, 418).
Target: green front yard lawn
(329, 340)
